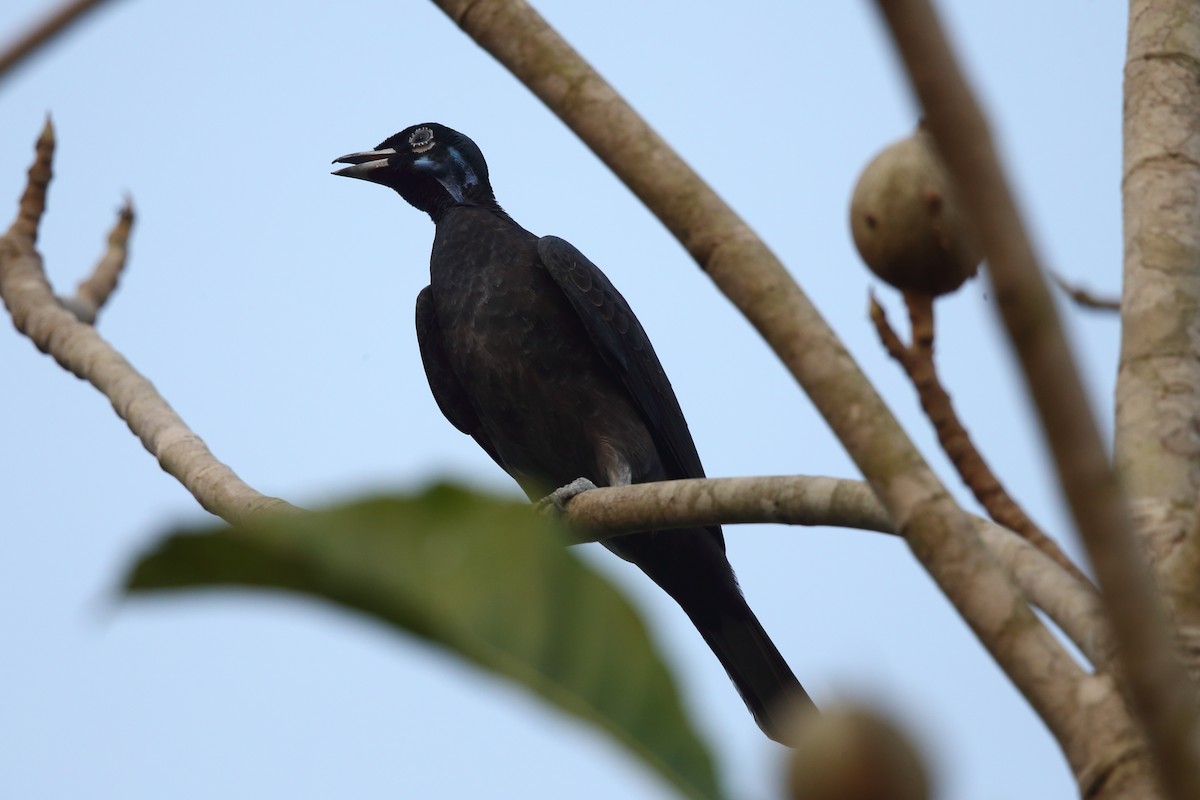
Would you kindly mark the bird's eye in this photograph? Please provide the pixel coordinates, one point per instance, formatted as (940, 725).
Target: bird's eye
(421, 140)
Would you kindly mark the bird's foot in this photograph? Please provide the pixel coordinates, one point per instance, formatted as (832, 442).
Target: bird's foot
(556, 501)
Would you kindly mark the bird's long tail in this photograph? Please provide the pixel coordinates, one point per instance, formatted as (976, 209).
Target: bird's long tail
(763, 679)
(690, 565)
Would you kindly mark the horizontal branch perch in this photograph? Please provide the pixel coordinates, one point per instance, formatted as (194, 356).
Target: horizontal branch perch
(835, 502)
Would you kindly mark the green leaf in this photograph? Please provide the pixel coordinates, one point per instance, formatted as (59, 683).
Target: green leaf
(489, 580)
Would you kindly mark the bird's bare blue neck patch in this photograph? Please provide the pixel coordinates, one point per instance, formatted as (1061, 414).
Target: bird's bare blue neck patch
(454, 173)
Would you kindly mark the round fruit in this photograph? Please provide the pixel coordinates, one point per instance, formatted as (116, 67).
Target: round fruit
(907, 223)
(852, 753)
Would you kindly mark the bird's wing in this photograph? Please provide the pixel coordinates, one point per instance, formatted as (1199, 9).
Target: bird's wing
(451, 398)
(625, 348)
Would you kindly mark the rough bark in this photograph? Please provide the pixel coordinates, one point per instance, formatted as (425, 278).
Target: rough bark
(1158, 385)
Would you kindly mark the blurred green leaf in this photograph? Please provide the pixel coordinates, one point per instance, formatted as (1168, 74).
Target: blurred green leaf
(487, 579)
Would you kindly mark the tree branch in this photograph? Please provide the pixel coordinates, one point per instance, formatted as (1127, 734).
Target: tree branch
(1083, 297)
(1158, 687)
(92, 294)
(839, 503)
(32, 204)
(918, 364)
(80, 350)
(44, 32)
(936, 530)
(1158, 380)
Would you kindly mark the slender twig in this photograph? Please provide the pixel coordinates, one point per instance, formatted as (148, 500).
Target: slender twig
(920, 321)
(43, 32)
(917, 361)
(1084, 297)
(77, 347)
(1157, 684)
(32, 204)
(91, 295)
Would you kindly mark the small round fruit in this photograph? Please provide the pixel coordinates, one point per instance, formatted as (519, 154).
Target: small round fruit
(853, 753)
(908, 225)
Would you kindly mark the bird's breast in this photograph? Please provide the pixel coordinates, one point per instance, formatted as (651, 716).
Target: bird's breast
(542, 391)
(510, 332)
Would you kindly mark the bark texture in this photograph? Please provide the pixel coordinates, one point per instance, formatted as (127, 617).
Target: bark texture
(1158, 385)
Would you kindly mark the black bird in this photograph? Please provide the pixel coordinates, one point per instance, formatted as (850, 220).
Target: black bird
(531, 351)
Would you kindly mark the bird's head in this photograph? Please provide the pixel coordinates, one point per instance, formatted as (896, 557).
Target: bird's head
(432, 167)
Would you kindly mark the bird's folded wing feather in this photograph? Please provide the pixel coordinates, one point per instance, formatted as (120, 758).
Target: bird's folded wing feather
(625, 348)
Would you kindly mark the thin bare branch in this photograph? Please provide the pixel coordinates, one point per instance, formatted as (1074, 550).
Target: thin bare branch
(44, 32)
(1084, 297)
(1158, 685)
(917, 361)
(91, 295)
(79, 349)
(920, 320)
(32, 204)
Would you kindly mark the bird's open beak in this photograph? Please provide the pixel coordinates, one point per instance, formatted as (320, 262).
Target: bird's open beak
(365, 164)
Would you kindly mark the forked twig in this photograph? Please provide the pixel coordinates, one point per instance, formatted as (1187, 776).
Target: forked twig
(1084, 297)
(79, 349)
(92, 294)
(918, 364)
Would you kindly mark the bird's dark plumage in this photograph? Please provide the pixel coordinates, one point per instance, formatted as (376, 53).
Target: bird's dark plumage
(531, 351)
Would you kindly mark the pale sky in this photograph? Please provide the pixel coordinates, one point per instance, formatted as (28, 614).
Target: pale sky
(272, 305)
